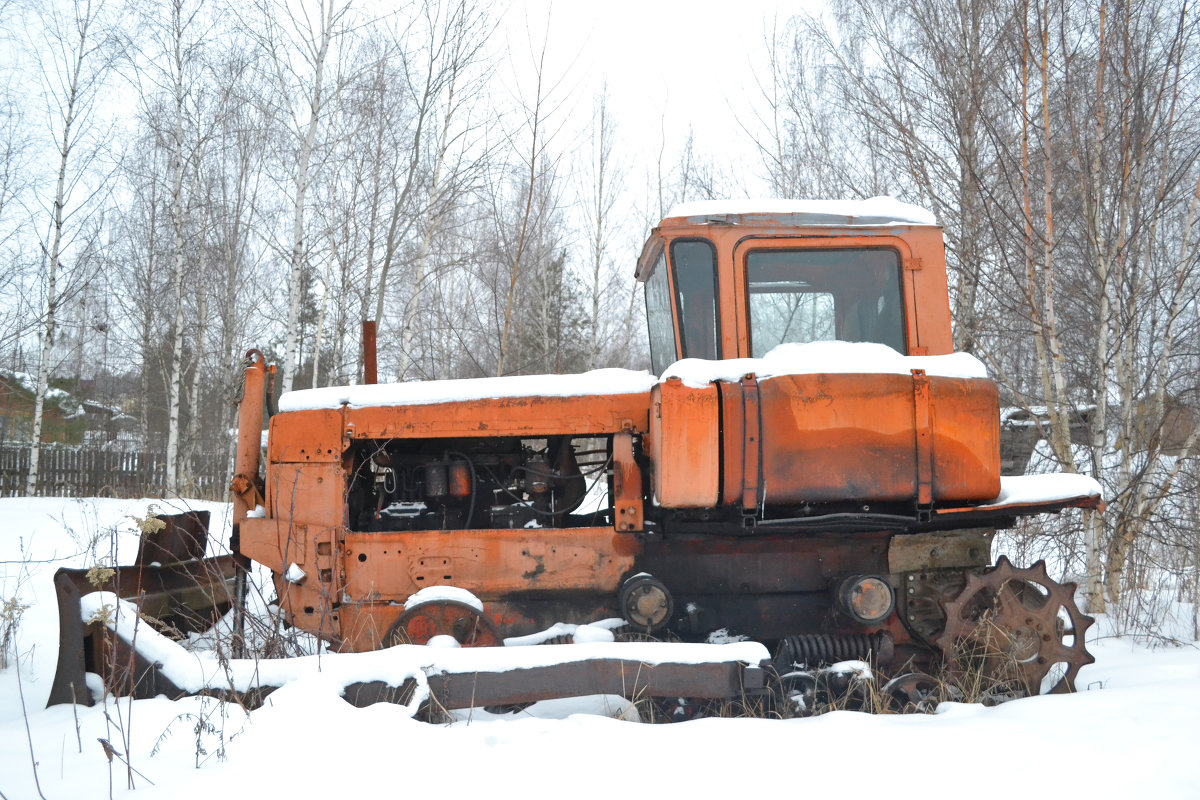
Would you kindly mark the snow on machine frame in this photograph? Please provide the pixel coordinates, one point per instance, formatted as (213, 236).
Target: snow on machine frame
(814, 469)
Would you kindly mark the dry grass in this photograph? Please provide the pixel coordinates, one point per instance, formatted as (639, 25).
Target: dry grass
(10, 620)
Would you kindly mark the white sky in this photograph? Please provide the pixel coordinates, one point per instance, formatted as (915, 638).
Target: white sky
(668, 64)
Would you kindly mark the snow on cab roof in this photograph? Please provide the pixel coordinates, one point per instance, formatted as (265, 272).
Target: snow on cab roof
(873, 211)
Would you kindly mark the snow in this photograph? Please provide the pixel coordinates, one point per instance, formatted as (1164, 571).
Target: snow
(814, 358)
(585, 634)
(42, 534)
(563, 629)
(873, 211)
(437, 594)
(600, 381)
(1129, 732)
(1033, 489)
(294, 573)
(786, 359)
(195, 670)
(723, 636)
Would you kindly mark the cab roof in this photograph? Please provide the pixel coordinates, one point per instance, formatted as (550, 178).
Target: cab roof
(876, 211)
(781, 214)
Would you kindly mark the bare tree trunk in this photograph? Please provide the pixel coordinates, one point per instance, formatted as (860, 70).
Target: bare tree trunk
(1093, 522)
(601, 200)
(83, 19)
(413, 307)
(320, 332)
(1053, 380)
(435, 213)
(522, 238)
(398, 225)
(177, 220)
(302, 177)
(188, 450)
(146, 322)
(454, 35)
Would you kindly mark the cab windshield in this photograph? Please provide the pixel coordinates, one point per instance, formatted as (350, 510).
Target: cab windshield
(849, 295)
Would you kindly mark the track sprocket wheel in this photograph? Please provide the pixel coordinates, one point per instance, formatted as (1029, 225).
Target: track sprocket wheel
(419, 624)
(1014, 632)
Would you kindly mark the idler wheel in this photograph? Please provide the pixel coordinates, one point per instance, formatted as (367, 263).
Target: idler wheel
(913, 691)
(646, 603)
(418, 624)
(1014, 632)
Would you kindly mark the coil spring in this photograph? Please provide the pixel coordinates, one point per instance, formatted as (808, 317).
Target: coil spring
(814, 649)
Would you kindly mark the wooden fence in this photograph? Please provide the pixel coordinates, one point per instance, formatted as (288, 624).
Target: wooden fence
(82, 471)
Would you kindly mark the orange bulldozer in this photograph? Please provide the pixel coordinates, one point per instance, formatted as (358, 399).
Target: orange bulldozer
(808, 467)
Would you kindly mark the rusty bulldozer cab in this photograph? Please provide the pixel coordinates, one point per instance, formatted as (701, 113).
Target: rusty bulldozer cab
(809, 466)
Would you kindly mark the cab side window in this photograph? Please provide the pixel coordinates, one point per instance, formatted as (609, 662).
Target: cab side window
(695, 266)
(658, 318)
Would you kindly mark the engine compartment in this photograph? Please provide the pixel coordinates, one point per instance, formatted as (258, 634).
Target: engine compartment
(499, 482)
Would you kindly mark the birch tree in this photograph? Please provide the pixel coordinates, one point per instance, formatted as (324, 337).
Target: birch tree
(301, 43)
(1142, 245)
(236, 181)
(171, 69)
(138, 252)
(14, 173)
(72, 67)
(456, 152)
(612, 295)
(916, 81)
(14, 176)
(440, 157)
(1108, 175)
(534, 163)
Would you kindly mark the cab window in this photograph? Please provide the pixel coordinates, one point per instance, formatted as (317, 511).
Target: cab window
(658, 318)
(695, 265)
(850, 295)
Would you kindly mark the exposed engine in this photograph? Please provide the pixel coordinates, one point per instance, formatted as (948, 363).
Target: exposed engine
(453, 484)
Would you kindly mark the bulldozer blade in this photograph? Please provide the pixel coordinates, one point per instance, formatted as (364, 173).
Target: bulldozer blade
(183, 598)
(180, 597)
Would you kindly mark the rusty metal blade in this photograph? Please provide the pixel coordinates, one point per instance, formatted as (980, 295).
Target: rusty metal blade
(188, 597)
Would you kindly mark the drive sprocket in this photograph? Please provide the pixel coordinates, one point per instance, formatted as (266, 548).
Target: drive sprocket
(1014, 632)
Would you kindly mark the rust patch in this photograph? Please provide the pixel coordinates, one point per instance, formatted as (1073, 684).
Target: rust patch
(538, 570)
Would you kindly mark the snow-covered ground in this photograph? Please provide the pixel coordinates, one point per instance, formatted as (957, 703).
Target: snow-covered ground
(1132, 731)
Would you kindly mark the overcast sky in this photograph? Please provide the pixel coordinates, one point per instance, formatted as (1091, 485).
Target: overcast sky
(668, 65)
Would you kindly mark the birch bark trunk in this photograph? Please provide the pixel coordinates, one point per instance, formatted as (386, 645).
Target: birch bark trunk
(177, 223)
(54, 251)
